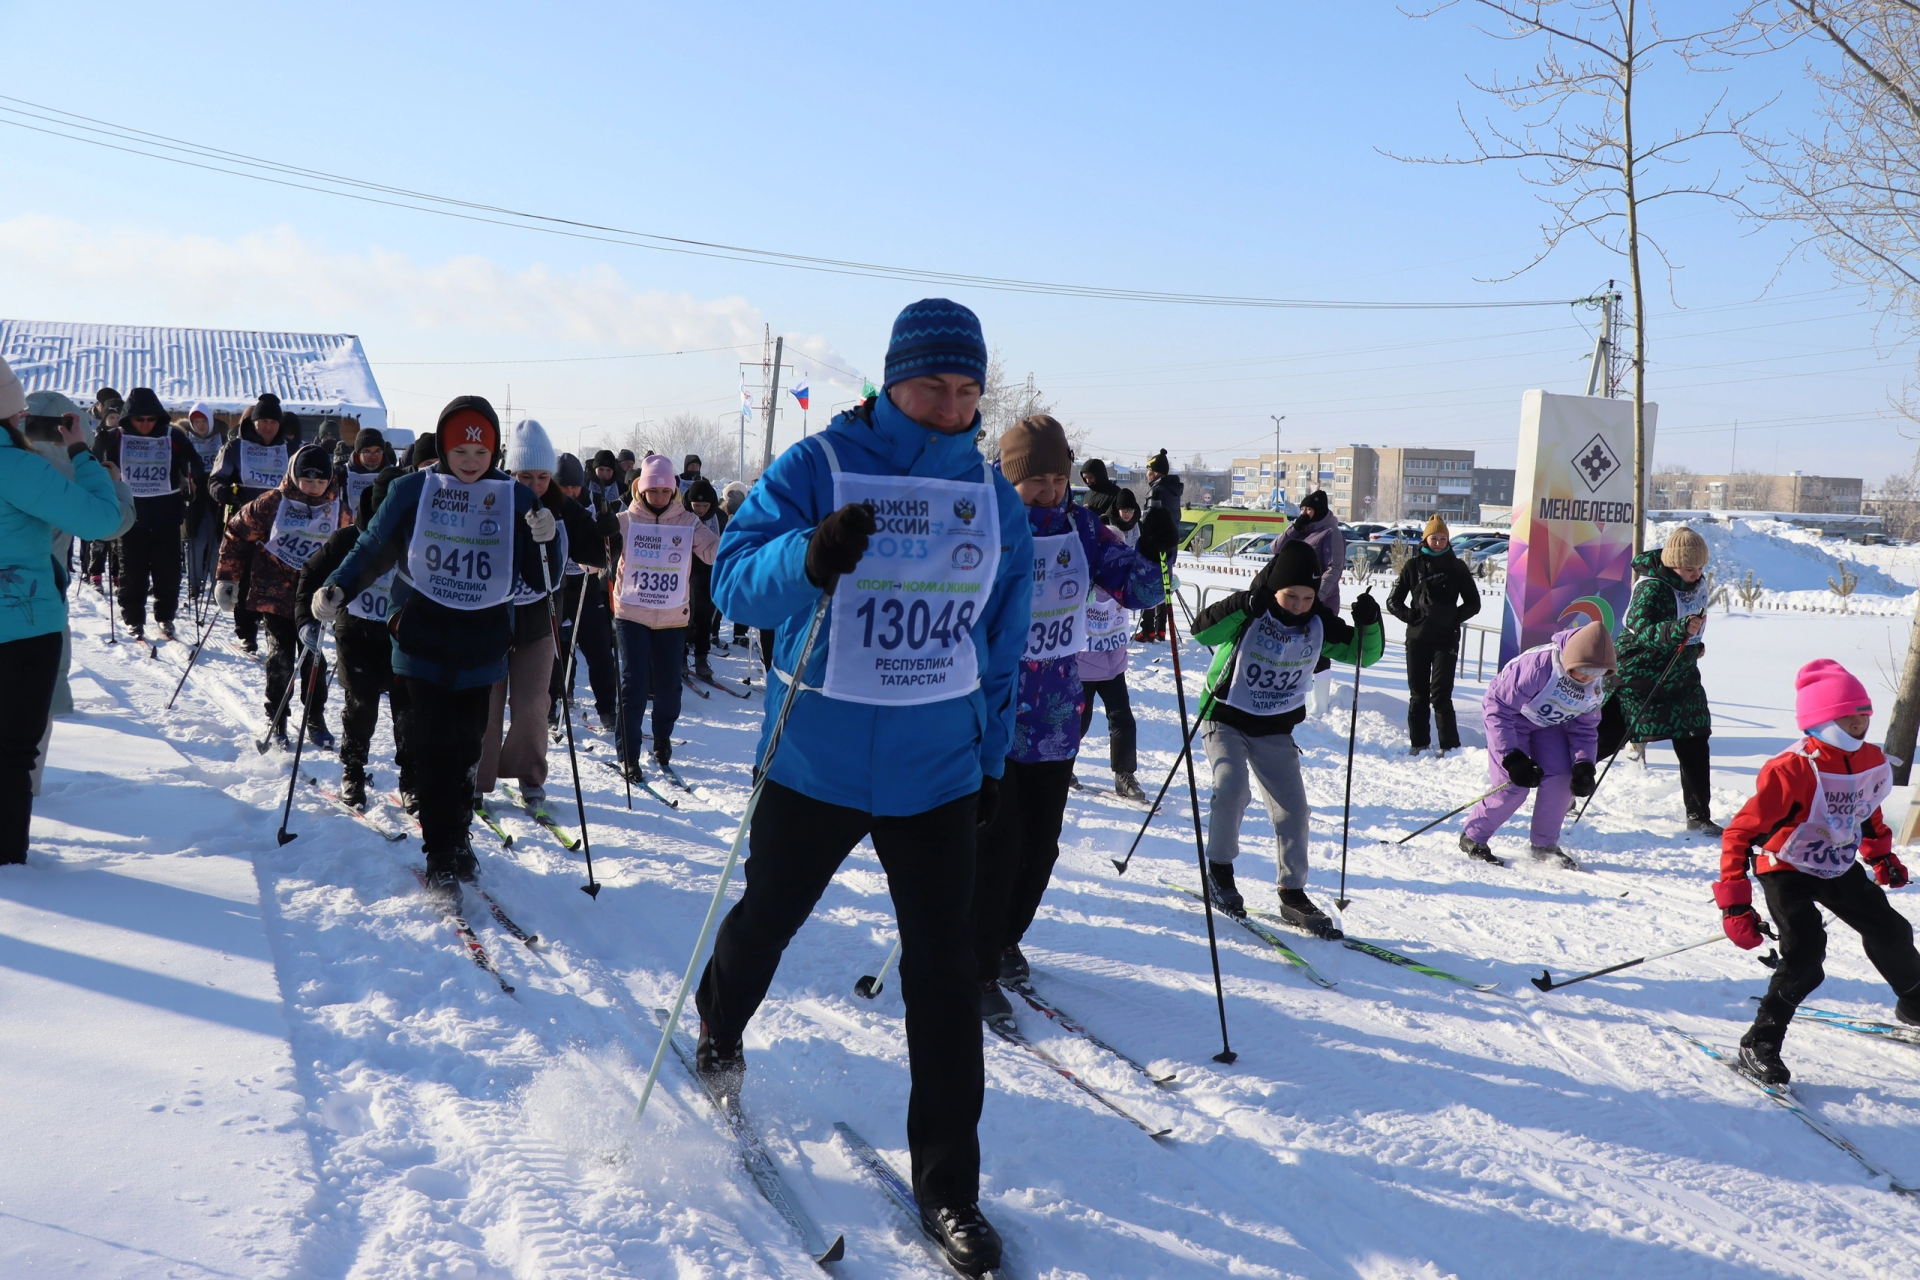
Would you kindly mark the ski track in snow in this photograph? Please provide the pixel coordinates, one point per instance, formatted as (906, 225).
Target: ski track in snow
(313, 1079)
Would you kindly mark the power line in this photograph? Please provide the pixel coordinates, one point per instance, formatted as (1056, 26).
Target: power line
(156, 146)
(641, 355)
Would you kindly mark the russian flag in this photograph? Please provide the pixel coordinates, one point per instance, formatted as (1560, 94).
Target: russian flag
(800, 392)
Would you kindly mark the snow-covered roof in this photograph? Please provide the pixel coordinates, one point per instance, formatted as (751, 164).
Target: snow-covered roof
(314, 374)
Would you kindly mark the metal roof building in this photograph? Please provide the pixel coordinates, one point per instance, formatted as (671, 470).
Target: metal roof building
(319, 375)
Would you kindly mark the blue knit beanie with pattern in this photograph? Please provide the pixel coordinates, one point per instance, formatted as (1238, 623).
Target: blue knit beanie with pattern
(936, 336)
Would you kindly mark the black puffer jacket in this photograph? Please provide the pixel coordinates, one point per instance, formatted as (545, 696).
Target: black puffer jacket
(1433, 595)
(1102, 493)
(1160, 522)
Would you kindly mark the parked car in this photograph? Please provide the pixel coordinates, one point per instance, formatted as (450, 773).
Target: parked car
(1404, 533)
(1360, 532)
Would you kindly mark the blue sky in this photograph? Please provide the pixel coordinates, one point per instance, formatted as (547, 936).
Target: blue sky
(1213, 148)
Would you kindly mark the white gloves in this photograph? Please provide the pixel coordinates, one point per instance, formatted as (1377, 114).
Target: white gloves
(540, 522)
(327, 604)
(227, 596)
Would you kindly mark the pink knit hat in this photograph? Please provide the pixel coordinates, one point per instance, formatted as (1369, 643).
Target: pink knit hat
(656, 472)
(1824, 690)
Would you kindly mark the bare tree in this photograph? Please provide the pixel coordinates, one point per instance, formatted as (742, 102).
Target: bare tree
(1852, 184)
(715, 441)
(1581, 140)
(1004, 403)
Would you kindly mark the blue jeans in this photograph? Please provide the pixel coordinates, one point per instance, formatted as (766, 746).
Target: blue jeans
(651, 661)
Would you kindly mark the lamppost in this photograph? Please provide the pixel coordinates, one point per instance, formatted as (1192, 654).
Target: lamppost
(1278, 418)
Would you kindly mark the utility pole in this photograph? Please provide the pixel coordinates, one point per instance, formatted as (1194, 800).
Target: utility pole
(773, 399)
(1603, 376)
(1278, 418)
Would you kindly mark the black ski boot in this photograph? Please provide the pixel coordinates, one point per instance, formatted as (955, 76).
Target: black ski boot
(250, 644)
(1298, 910)
(1907, 1008)
(633, 774)
(712, 1059)
(465, 866)
(1554, 855)
(1221, 889)
(166, 629)
(137, 632)
(1478, 852)
(702, 669)
(965, 1236)
(443, 879)
(1705, 827)
(1013, 967)
(1761, 1060)
(353, 785)
(1127, 787)
(993, 1003)
(319, 735)
(663, 751)
(409, 798)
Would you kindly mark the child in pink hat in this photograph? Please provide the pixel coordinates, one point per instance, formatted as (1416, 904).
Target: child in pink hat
(1814, 815)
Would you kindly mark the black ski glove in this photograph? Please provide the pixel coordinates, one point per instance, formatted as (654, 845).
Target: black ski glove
(838, 543)
(1583, 782)
(989, 802)
(1521, 770)
(1366, 611)
(607, 524)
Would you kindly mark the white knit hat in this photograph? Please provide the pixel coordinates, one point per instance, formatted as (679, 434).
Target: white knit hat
(530, 450)
(13, 396)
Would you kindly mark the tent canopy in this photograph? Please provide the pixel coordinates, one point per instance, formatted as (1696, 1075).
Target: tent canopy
(316, 375)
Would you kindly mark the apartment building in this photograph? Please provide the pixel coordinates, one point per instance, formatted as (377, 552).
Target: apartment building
(1346, 474)
(1416, 483)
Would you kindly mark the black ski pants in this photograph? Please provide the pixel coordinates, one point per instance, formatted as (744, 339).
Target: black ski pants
(1017, 853)
(282, 643)
(796, 845)
(1794, 899)
(246, 622)
(594, 648)
(449, 726)
(1122, 733)
(366, 672)
(1694, 754)
(149, 560)
(26, 696)
(1430, 691)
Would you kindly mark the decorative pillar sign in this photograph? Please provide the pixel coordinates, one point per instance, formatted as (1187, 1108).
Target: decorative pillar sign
(1569, 560)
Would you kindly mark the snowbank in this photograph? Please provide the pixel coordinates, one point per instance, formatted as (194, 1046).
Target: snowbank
(1787, 558)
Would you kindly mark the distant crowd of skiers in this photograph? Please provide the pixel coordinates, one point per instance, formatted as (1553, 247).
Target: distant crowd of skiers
(964, 615)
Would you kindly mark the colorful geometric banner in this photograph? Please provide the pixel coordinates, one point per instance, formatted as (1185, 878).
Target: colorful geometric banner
(1569, 560)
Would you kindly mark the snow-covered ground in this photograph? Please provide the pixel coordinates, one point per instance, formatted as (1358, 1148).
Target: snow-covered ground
(227, 1057)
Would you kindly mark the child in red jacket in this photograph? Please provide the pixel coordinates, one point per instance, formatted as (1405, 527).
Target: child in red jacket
(1816, 807)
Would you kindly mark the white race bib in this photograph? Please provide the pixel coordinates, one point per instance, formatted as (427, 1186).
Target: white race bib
(262, 466)
(1106, 623)
(658, 565)
(373, 602)
(1564, 698)
(1825, 844)
(208, 447)
(146, 464)
(300, 529)
(903, 620)
(461, 554)
(1060, 578)
(1273, 666)
(358, 482)
(1691, 601)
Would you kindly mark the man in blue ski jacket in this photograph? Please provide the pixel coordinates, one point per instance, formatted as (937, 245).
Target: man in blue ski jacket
(905, 721)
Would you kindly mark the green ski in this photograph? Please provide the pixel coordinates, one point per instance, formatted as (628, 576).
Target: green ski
(1267, 936)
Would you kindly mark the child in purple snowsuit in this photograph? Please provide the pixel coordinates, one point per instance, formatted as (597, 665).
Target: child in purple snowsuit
(1543, 725)
(1073, 553)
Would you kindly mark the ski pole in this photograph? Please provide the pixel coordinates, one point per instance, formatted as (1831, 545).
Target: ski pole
(1120, 864)
(573, 645)
(870, 984)
(1226, 1053)
(280, 711)
(306, 710)
(113, 592)
(191, 659)
(1353, 725)
(592, 887)
(1608, 767)
(1449, 813)
(1546, 983)
(620, 706)
(794, 692)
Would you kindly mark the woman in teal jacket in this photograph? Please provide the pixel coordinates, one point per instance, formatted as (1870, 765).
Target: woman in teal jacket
(34, 499)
